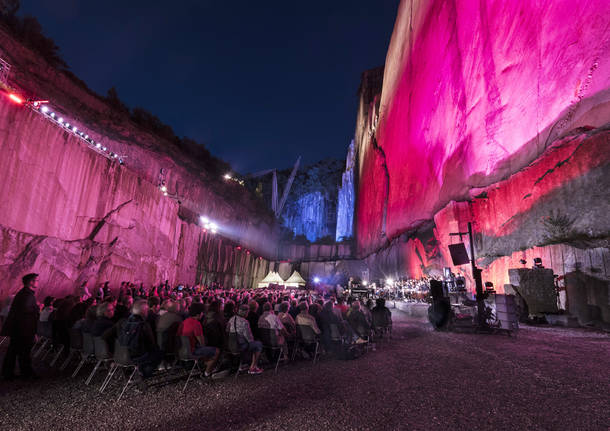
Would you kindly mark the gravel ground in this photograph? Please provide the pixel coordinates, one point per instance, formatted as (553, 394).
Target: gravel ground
(543, 378)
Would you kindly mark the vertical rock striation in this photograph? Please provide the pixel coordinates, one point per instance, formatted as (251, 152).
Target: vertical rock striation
(345, 200)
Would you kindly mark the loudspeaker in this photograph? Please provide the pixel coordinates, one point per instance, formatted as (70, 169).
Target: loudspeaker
(458, 254)
(436, 289)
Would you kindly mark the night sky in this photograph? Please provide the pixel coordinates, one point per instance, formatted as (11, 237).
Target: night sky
(258, 82)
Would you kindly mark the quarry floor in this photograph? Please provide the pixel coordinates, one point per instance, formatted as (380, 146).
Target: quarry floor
(543, 378)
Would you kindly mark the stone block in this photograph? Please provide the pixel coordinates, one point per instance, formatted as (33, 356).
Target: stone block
(537, 288)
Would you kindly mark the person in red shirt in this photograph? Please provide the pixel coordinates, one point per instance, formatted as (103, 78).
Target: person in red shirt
(192, 328)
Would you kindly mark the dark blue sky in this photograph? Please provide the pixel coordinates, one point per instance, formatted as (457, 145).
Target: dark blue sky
(258, 82)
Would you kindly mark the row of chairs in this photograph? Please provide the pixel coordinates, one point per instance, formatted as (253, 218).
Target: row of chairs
(88, 349)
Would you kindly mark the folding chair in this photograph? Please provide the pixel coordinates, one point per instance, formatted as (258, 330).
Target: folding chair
(270, 342)
(166, 340)
(121, 359)
(76, 346)
(306, 337)
(87, 353)
(234, 351)
(185, 355)
(102, 354)
(44, 331)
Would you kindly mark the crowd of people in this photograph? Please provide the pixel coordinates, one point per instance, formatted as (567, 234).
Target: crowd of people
(134, 316)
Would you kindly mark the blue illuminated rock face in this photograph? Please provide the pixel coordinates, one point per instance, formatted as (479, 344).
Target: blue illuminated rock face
(308, 216)
(311, 207)
(345, 200)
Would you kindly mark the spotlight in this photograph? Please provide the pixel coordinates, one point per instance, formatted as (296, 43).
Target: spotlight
(44, 109)
(86, 136)
(52, 114)
(204, 220)
(74, 129)
(15, 98)
(316, 279)
(163, 188)
(116, 155)
(214, 227)
(164, 193)
(364, 282)
(227, 177)
(104, 148)
(98, 145)
(60, 120)
(389, 281)
(67, 125)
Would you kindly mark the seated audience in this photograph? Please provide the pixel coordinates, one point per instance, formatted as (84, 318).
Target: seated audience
(47, 309)
(154, 306)
(103, 321)
(191, 328)
(306, 319)
(137, 335)
(213, 325)
(239, 326)
(269, 320)
(252, 318)
(358, 321)
(287, 320)
(382, 316)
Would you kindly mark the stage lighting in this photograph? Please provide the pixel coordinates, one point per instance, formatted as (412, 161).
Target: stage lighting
(316, 279)
(15, 98)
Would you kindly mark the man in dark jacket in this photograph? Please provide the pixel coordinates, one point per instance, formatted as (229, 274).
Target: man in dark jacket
(21, 326)
(137, 335)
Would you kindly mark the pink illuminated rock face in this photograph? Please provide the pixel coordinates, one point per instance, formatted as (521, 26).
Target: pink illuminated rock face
(474, 91)
(72, 215)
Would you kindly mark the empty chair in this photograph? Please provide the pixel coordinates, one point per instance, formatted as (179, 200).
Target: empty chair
(76, 346)
(121, 359)
(102, 354)
(44, 332)
(306, 337)
(87, 353)
(271, 343)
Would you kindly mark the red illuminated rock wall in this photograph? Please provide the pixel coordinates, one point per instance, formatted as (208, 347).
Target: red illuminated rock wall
(494, 113)
(473, 91)
(73, 215)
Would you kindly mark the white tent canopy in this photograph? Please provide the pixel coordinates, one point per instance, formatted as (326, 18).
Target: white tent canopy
(271, 278)
(295, 280)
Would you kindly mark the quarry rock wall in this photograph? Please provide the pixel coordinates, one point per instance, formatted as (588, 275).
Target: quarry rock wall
(494, 113)
(472, 92)
(73, 215)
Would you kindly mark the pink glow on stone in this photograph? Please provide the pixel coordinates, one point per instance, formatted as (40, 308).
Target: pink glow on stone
(471, 95)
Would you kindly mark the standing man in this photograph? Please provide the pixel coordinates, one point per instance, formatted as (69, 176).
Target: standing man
(21, 326)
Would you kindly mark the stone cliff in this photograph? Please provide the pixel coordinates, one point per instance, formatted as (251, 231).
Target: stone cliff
(472, 92)
(494, 113)
(72, 214)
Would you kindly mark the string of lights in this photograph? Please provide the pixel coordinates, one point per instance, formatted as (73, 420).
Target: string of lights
(41, 107)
